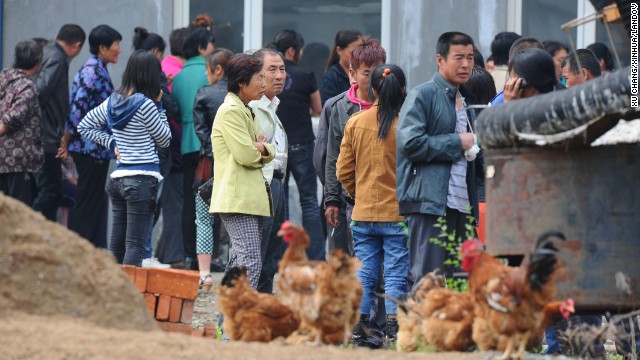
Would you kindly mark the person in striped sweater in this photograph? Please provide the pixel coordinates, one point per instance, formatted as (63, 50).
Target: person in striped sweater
(136, 123)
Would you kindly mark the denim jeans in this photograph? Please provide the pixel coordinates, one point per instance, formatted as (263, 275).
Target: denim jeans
(374, 241)
(300, 165)
(133, 200)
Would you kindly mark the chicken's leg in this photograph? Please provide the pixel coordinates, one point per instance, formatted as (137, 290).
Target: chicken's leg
(524, 339)
(507, 351)
(347, 335)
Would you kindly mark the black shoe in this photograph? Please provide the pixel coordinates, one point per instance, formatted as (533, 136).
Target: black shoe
(359, 336)
(392, 328)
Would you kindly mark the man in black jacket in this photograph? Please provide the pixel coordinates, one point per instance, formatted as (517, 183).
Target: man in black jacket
(53, 87)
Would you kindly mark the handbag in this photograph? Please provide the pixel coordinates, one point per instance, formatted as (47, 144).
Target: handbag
(204, 171)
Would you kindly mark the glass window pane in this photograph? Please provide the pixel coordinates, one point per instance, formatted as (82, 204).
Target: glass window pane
(541, 19)
(621, 40)
(318, 22)
(228, 17)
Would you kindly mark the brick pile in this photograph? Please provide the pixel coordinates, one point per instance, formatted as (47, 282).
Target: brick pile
(170, 295)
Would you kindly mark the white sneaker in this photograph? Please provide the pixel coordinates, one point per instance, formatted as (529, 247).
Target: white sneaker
(154, 263)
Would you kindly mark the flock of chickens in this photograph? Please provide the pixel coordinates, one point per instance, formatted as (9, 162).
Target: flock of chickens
(505, 308)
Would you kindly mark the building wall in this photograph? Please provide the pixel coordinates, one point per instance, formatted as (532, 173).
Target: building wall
(416, 25)
(25, 19)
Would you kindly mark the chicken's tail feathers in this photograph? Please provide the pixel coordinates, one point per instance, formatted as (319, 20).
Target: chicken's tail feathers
(234, 273)
(401, 302)
(544, 259)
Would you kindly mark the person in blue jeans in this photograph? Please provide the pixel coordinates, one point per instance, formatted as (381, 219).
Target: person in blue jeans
(366, 168)
(131, 122)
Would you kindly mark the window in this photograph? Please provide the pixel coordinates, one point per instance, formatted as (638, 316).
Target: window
(318, 22)
(621, 40)
(541, 19)
(228, 17)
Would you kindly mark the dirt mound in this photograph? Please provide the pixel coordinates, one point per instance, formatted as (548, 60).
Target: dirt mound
(47, 270)
(64, 338)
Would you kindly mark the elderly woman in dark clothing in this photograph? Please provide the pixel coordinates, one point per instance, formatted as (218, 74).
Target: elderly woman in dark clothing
(208, 100)
(21, 150)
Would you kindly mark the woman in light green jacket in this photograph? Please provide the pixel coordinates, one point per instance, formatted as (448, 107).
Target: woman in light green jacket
(240, 194)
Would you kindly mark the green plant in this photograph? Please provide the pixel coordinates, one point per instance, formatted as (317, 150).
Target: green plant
(451, 244)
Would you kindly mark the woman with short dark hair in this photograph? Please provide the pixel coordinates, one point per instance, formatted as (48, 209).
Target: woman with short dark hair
(240, 193)
(21, 149)
(531, 72)
(91, 86)
(131, 123)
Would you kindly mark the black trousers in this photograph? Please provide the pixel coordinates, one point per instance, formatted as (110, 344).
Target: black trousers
(17, 185)
(189, 164)
(49, 184)
(271, 245)
(425, 256)
(88, 211)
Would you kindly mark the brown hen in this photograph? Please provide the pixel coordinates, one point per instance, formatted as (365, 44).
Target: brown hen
(326, 296)
(409, 337)
(510, 301)
(250, 315)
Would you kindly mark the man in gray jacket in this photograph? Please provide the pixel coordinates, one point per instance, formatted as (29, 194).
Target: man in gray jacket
(53, 94)
(435, 168)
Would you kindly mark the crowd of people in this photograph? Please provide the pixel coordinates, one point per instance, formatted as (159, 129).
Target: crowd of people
(210, 139)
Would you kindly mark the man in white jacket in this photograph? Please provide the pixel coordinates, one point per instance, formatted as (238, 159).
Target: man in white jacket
(274, 171)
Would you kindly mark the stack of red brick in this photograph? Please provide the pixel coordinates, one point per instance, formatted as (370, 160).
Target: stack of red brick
(170, 295)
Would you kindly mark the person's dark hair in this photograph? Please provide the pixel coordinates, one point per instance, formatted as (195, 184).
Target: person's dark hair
(537, 68)
(343, 39)
(601, 51)
(588, 60)
(103, 35)
(452, 38)
(552, 47)
(500, 46)
(286, 39)
(143, 39)
(28, 54)
(368, 52)
(478, 59)
(240, 69)
(142, 75)
(524, 43)
(220, 57)
(198, 38)
(40, 41)
(259, 54)
(71, 34)
(176, 41)
(390, 85)
(481, 85)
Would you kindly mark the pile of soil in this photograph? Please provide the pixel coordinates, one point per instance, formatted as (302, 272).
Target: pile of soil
(61, 298)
